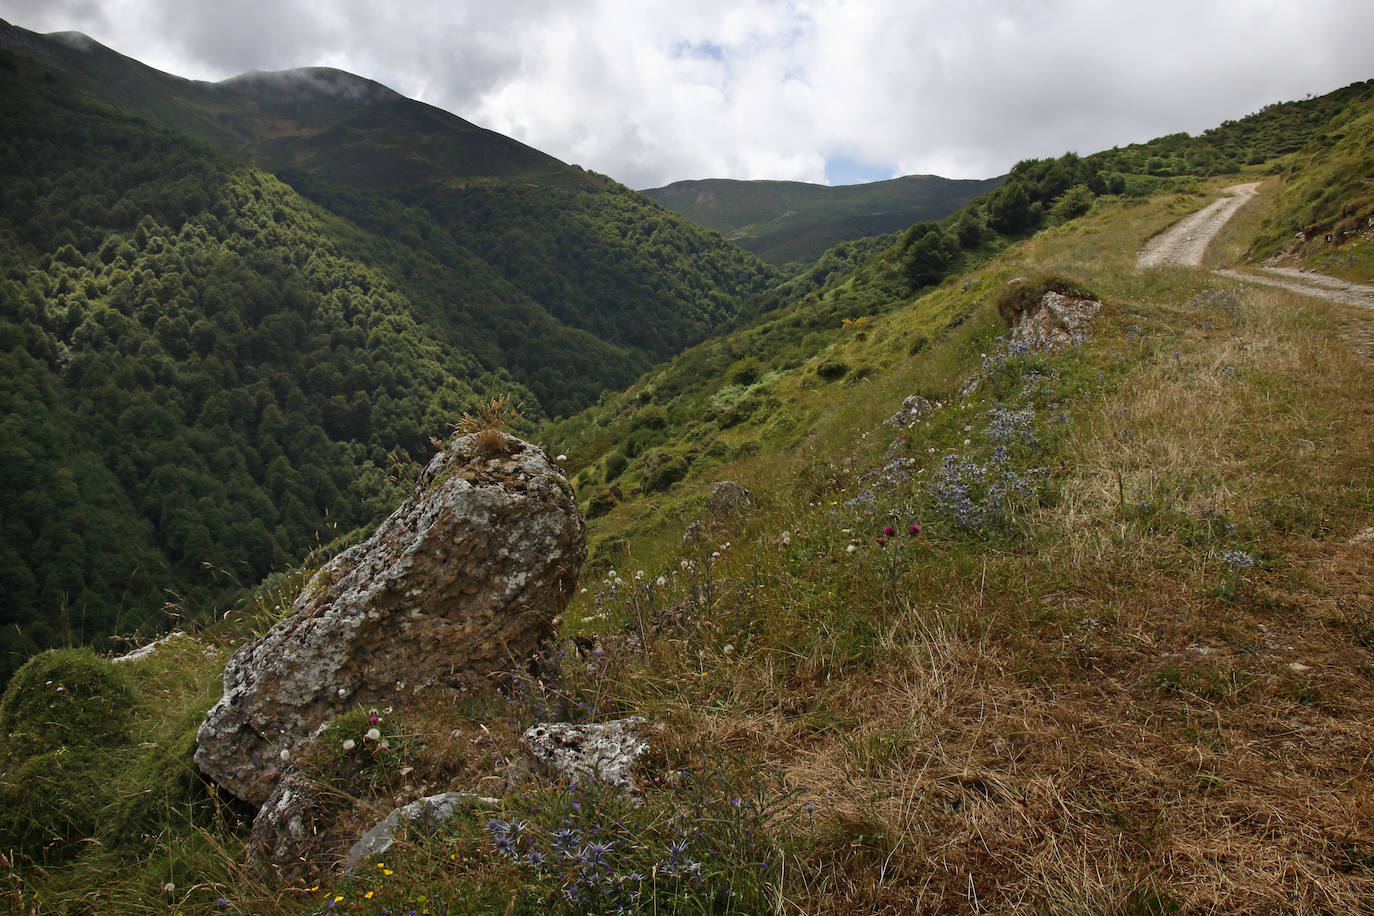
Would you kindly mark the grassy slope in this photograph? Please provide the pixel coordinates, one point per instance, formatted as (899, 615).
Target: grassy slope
(782, 221)
(1328, 192)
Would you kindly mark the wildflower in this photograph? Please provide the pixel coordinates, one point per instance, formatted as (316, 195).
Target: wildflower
(561, 457)
(349, 744)
(850, 549)
(285, 755)
(565, 840)
(914, 529)
(1238, 559)
(729, 648)
(889, 531)
(594, 855)
(373, 734)
(661, 581)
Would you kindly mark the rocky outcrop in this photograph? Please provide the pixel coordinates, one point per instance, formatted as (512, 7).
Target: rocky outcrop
(462, 581)
(606, 751)
(1057, 321)
(914, 409)
(423, 814)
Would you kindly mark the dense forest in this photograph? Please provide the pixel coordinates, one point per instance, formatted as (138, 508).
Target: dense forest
(204, 374)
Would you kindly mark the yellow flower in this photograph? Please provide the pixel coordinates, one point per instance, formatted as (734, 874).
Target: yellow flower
(367, 896)
(387, 871)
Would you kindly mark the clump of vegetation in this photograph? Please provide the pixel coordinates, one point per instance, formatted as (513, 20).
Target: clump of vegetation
(64, 718)
(488, 423)
(1015, 299)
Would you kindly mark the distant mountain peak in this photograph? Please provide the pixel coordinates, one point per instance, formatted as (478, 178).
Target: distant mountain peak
(78, 40)
(311, 81)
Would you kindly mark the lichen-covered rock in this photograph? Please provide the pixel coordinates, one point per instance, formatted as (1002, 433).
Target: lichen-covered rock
(286, 843)
(914, 409)
(1057, 321)
(424, 814)
(730, 499)
(463, 580)
(606, 751)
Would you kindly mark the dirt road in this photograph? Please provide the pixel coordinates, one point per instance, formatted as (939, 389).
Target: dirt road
(1184, 242)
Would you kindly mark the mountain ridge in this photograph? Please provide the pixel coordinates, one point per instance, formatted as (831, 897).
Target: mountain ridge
(785, 221)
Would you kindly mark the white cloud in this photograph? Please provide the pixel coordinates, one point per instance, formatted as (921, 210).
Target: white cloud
(651, 91)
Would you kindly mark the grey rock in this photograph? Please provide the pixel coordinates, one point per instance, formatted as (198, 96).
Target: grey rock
(423, 814)
(462, 581)
(606, 751)
(149, 650)
(286, 843)
(914, 409)
(730, 499)
(1056, 321)
(967, 389)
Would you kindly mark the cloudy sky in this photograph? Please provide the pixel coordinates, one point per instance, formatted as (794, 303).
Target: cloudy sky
(837, 91)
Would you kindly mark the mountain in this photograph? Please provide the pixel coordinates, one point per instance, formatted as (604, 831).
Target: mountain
(1007, 628)
(569, 280)
(207, 371)
(782, 221)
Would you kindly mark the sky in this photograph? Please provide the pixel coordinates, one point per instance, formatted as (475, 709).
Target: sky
(825, 91)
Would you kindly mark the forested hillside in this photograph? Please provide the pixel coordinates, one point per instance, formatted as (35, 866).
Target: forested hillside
(570, 280)
(206, 374)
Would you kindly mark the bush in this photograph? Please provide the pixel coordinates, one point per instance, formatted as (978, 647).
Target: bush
(63, 720)
(652, 417)
(52, 802)
(616, 462)
(832, 369)
(1075, 202)
(664, 471)
(65, 698)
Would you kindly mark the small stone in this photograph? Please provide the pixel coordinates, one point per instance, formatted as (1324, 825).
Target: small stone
(606, 751)
(730, 499)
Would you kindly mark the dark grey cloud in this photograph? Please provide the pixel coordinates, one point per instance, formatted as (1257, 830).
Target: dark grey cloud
(650, 91)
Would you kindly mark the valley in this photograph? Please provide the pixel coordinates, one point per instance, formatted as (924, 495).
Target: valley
(1017, 560)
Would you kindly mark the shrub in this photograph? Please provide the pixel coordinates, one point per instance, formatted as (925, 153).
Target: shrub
(1074, 202)
(52, 802)
(652, 417)
(832, 369)
(664, 471)
(616, 462)
(65, 698)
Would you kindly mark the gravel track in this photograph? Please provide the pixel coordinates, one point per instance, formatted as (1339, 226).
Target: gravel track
(1184, 243)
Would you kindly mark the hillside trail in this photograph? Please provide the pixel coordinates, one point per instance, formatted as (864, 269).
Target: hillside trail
(1184, 243)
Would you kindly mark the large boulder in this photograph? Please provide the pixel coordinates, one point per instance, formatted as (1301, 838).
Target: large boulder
(462, 581)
